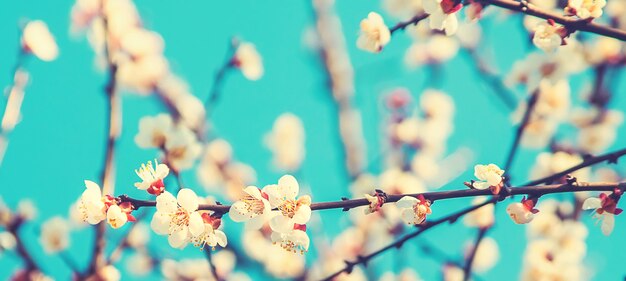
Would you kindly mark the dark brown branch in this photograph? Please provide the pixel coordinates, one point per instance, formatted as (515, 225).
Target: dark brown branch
(572, 24)
(412, 21)
(537, 190)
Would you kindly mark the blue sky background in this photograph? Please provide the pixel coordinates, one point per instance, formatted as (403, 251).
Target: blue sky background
(60, 141)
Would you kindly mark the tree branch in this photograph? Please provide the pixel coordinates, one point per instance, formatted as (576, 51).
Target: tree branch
(572, 24)
(413, 21)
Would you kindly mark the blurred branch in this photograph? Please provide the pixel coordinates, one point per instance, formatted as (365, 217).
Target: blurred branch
(14, 228)
(219, 78)
(114, 120)
(345, 205)
(492, 79)
(570, 23)
(532, 100)
(467, 268)
(335, 59)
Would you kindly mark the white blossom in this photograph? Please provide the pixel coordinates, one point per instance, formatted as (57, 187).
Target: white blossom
(374, 33)
(249, 61)
(37, 39)
(178, 217)
(55, 235)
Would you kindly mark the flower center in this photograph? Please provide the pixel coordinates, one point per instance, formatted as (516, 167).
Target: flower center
(288, 208)
(180, 218)
(253, 205)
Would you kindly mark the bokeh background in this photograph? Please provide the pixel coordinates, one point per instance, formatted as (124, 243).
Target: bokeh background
(60, 141)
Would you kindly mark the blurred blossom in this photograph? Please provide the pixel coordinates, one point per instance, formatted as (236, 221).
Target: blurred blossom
(283, 264)
(548, 163)
(330, 264)
(585, 9)
(469, 34)
(139, 235)
(249, 61)
(452, 273)
(482, 217)
(26, 209)
(36, 39)
(7, 241)
(139, 264)
(182, 148)
(604, 49)
(407, 274)
(286, 141)
(487, 255)
(403, 9)
(153, 131)
(396, 181)
(438, 49)
(374, 33)
(55, 235)
(548, 35)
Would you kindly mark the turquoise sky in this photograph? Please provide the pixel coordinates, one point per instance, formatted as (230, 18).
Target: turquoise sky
(60, 141)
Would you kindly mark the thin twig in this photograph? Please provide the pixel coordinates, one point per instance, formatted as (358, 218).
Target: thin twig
(14, 228)
(532, 100)
(413, 21)
(219, 78)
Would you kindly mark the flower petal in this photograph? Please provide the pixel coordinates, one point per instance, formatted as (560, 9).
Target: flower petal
(302, 215)
(407, 202)
(288, 186)
(166, 203)
(188, 199)
(178, 239)
(196, 224)
(281, 224)
(608, 222)
(592, 203)
(161, 223)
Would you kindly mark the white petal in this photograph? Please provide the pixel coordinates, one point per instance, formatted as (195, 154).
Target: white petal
(92, 186)
(221, 238)
(160, 223)
(288, 186)
(408, 216)
(302, 215)
(281, 224)
(253, 191)
(187, 199)
(592, 203)
(179, 239)
(196, 224)
(451, 24)
(239, 212)
(481, 185)
(407, 202)
(608, 222)
(162, 170)
(166, 203)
